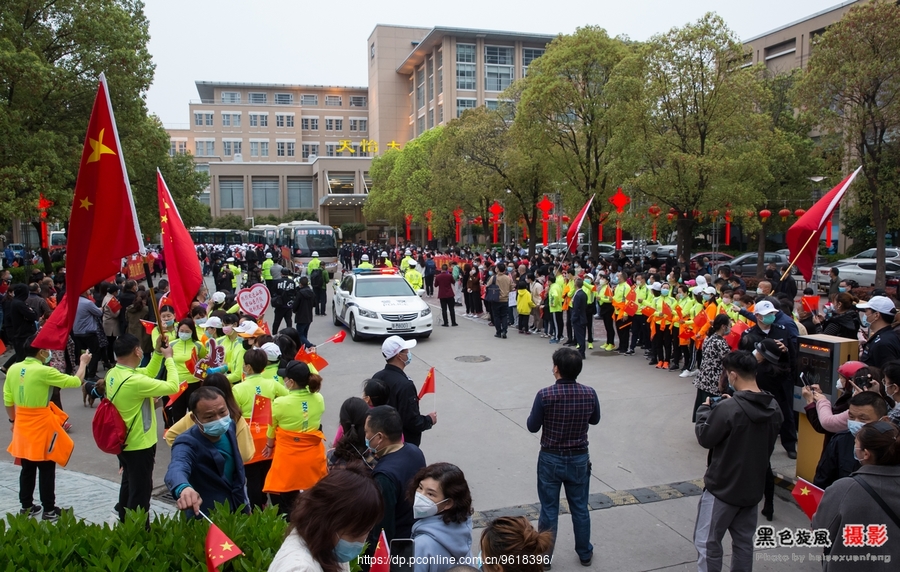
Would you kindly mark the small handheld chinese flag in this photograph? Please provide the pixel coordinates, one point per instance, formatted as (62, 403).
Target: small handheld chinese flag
(219, 548)
(148, 326)
(808, 496)
(262, 410)
(428, 386)
(381, 562)
(313, 359)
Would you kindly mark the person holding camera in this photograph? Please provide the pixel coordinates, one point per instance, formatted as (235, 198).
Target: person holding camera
(740, 432)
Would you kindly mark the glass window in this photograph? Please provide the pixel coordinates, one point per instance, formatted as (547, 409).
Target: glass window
(290, 149)
(358, 101)
(209, 119)
(310, 149)
(284, 98)
(198, 119)
(330, 149)
(279, 148)
(465, 76)
(430, 115)
(528, 56)
(497, 78)
(205, 148)
(309, 99)
(359, 125)
(289, 120)
(420, 124)
(440, 114)
(204, 197)
(231, 97)
(420, 88)
(279, 121)
(231, 193)
(265, 193)
(341, 183)
(258, 98)
(465, 53)
(263, 148)
(329, 125)
(333, 100)
(430, 67)
(231, 148)
(299, 193)
(171, 148)
(258, 120)
(498, 55)
(226, 120)
(491, 104)
(254, 148)
(464, 104)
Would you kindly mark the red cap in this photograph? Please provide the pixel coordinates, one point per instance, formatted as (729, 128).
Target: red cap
(848, 369)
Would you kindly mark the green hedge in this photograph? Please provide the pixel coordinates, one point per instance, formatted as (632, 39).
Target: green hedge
(20, 274)
(172, 543)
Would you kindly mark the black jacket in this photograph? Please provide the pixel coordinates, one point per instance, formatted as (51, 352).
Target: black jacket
(883, 346)
(842, 325)
(740, 433)
(20, 318)
(837, 460)
(304, 304)
(403, 397)
(284, 296)
(579, 308)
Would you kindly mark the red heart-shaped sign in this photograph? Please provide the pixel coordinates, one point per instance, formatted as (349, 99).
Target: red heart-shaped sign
(254, 300)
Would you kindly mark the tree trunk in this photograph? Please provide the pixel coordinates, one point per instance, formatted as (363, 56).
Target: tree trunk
(880, 244)
(685, 240)
(45, 252)
(760, 251)
(532, 236)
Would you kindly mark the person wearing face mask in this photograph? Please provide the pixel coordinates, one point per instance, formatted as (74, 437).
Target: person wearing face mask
(350, 440)
(442, 508)
(838, 459)
(855, 500)
(640, 327)
(828, 418)
(206, 465)
(844, 321)
(254, 397)
(883, 344)
(131, 390)
(38, 437)
(84, 332)
(772, 359)
(186, 351)
(397, 464)
(314, 544)
(605, 299)
(402, 392)
(622, 296)
(167, 315)
(295, 441)
(740, 433)
(234, 349)
(891, 374)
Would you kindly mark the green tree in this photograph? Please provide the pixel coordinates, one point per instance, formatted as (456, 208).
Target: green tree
(51, 55)
(568, 104)
(229, 221)
(696, 141)
(852, 87)
(349, 230)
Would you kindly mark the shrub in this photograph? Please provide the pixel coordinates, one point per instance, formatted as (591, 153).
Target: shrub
(20, 274)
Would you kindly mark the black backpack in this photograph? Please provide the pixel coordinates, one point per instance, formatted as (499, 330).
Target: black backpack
(316, 279)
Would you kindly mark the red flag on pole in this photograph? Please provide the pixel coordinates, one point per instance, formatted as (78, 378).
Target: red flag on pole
(572, 234)
(103, 225)
(428, 386)
(181, 255)
(803, 236)
(808, 496)
(311, 358)
(219, 548)
(382, 557)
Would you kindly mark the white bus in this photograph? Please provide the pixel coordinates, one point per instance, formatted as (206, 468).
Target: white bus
(303, 237)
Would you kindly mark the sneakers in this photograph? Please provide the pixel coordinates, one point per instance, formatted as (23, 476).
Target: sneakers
(629, 353)
(609, 347)
(554, 341)
(52, 515)
(34, 510)
(693, 373)
(673, 367)
(590, 345)
(684, 373)
(588, 561)
(659, 365)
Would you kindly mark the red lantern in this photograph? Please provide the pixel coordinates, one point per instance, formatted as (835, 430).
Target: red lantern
(784, 213)
(765, 214)
(799, 213)
(565, 219)
(545, 206)
(654, 211)
(409, 219)
(673, 211)
(457, 216)
(714, 213)
(496, 209)
(670, 216)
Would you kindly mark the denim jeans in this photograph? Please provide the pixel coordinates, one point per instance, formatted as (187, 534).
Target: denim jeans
(573, 473)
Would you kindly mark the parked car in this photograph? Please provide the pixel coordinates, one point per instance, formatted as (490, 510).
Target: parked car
(715, 258)
(870, 255)
(862, 273)
(747, 262)
(820, 260)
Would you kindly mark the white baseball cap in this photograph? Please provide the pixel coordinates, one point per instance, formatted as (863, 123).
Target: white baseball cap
(709, 290)
(273, 352)
(656, 287)
(412, 263)
(881, 304)
(212, 322)
(315, 253)
(218, 297)
(268, 255)
(247, 328)
(408, 252)
(229, 259)
(394, 345)
(764, 308)
(383, 253)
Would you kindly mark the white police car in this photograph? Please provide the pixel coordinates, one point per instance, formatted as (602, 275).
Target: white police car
(380, 302)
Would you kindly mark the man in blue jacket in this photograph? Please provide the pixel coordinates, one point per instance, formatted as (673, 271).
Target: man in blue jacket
(206, 465)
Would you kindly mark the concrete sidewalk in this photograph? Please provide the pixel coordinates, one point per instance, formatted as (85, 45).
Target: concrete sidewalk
(91, 498)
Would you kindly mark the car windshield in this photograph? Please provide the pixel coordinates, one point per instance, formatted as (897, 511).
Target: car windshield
(377, 287)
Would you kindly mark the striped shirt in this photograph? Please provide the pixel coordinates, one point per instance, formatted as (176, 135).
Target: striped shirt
(564, 410)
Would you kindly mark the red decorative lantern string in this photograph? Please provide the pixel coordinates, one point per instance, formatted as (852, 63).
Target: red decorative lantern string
(457, 215)
(428, 216)
(619, 200)
(408, 226)
(784, 213)
(727, 228)
(765, 214)
(496, 210)
(799, 213)
(545, 205)
(654, 211)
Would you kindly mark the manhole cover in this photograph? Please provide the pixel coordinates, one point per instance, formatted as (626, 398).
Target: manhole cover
(473, 359)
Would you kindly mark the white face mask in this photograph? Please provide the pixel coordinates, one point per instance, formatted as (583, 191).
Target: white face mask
(424, 507)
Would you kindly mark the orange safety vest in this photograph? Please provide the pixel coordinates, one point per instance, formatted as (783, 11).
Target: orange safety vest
(298, 463)
(38, 435)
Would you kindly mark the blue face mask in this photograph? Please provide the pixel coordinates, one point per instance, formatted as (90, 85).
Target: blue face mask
(664, 293)
(863, 320)
(769, 319)
(408, 358)
(854, 426)
(218, 427)
(346, 551)
(841, 290)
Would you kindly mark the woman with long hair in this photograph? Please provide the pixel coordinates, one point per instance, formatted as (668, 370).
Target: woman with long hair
(330, 523)
(714, 349)
(350, 444)
(511, 544)
(442, 507)
(186, 351)
(844, 321)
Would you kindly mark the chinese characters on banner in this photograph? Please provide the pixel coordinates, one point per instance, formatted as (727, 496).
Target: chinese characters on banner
(365, 146)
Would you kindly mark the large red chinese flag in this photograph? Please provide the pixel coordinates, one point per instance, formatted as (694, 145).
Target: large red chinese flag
(428, 386)
(219, 548)
(103, 226)
(803, 236)
(808, 496)
(572, 234)
(382, 557)
(181, 255)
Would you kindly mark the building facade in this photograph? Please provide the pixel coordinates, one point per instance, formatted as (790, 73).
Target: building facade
(278, 149)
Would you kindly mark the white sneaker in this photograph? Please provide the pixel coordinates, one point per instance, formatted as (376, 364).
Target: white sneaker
(693, 373)
(684, 373)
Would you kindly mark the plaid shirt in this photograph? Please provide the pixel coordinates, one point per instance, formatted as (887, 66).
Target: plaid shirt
(564, 410)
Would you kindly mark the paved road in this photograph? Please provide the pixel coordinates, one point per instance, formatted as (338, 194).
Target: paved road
(645, 440)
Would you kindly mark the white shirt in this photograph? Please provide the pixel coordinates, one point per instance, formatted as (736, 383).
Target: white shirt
(294, 556)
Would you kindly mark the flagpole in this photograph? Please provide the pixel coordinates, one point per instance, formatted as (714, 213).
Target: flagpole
(206, 517)
(811, 236)
(153, 301)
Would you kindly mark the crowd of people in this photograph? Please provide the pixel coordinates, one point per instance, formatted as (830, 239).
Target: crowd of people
(248, 432)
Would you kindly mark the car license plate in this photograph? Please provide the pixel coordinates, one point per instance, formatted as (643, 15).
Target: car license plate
(400, 326)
